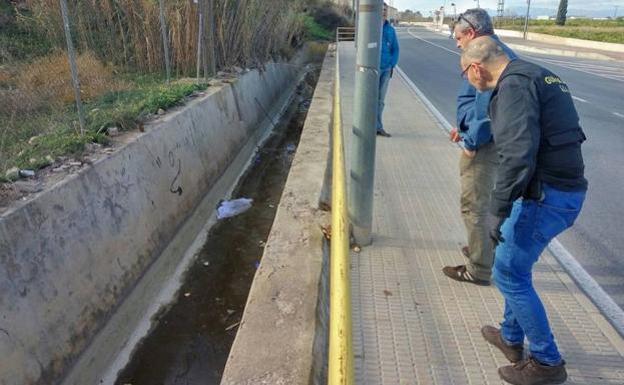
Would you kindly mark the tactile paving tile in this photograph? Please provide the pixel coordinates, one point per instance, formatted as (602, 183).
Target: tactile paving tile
(412, 325)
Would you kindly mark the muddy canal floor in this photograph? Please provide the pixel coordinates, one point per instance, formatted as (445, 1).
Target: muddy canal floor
(192, 339)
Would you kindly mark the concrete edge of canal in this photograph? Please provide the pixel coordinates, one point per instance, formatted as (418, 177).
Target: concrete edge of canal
(85, 264)
(283, 333)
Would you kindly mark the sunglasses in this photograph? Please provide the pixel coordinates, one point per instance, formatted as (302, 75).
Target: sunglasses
(463, 73)
(462, 17)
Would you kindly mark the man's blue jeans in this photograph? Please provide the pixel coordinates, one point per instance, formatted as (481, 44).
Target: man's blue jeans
(384, 80)
(530, 227)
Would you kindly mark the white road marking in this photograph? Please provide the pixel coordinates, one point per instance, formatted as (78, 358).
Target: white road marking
(605, 304)
(590, 65)
(618, 114)
(433, 44)
(443, 123)
(613, 73)
(579, 99)
(575, 68)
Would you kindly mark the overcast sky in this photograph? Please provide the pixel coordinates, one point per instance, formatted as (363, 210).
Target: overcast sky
(462, 5)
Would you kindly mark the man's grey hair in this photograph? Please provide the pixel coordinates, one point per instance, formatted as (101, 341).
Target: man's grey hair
(477, 19)
(482, 50)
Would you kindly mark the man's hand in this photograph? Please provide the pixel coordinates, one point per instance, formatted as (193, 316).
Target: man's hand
(469, 153)
(495, 229)
(454, 135)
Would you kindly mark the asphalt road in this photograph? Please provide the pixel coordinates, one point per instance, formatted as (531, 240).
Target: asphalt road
(431, 61)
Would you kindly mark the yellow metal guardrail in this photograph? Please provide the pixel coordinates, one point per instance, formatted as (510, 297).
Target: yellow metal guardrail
(340, 371)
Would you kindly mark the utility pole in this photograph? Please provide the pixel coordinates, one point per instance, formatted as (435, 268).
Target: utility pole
(200, 35)
(526, 20)
(362, 175)
(163, 30)
(454, 11)
(441, 17)
(478, 5)
(72, 65)
(211, 53)
(500, 12)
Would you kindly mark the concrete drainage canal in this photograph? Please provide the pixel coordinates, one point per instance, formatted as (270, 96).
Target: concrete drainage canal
(191, 339)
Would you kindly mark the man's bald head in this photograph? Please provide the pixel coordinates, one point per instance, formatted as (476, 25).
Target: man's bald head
(483, 61)
(482, 50)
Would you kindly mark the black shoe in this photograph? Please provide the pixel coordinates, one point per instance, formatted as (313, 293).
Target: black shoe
(459, 273)
(493, 336)
(531, 372)
(383, 133)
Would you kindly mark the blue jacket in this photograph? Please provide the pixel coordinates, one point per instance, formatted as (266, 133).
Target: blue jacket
(473, 122)
(389, 47)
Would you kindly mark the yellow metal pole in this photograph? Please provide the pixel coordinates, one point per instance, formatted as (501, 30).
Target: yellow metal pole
(340, 371)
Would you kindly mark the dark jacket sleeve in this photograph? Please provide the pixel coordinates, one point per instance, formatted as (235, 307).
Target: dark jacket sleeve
(515, 125)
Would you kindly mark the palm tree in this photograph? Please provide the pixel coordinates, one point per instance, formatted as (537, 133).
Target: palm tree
(561, 13)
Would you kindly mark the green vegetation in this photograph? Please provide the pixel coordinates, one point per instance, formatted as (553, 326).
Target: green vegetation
(32, 141)
(611, 31)
(17, 41)
(315, 31)
(562, 12)
(125, 109)
(578, 22)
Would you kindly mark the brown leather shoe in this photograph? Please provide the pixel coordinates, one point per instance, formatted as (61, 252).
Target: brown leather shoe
(493, 336)
(465, 251)
(459, 273)
(531, 372)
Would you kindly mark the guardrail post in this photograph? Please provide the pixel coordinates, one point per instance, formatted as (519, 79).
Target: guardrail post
(368, 41)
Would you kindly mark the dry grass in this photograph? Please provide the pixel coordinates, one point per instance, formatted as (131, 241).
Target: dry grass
(127, 32)
(46, 83)
(36, 92)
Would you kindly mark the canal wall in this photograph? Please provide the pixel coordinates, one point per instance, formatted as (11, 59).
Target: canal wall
(282, 339)
(82, 263)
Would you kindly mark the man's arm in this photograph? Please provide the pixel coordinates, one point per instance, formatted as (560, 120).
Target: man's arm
(467, 114)
(515, 125)
(465, 103)
(395, 49)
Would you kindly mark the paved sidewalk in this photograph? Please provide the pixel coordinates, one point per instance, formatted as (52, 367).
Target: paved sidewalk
(412, 325)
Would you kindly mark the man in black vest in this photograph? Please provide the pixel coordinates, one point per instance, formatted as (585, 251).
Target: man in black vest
(538, 193)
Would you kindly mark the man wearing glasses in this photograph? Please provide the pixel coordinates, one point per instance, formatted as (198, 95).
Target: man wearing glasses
(478, 159)
(539, 191)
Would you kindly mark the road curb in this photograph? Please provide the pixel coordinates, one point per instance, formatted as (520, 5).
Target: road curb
(560, 52)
